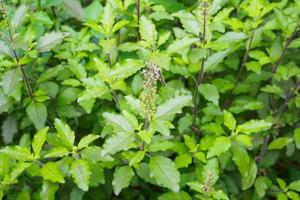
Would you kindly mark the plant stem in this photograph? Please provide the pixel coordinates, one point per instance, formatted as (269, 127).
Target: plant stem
(138, 15)
(39, 4)
(11, 40)
(113, 92)
(201, 72)
(241, 69)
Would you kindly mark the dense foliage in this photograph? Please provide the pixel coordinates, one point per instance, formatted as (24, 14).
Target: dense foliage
(150, 99)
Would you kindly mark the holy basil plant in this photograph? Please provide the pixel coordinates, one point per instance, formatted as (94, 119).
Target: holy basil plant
(150, 99)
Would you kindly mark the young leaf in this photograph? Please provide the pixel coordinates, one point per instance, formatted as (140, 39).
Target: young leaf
(148, 31)
(37, 113)
(20, 16)
(220, 145)
(51, 172)
(253, 126)
(87, 140)
(178, 45)
(122, 178)
(50, 40)
(74, 8)
(81, 174)
(137, 158)
(279, 143)
(165, 173)
(168, 109)
(56, 152)
(229, 121)
(39, 140)
(120, 141)
(17, 152)
(65, 133)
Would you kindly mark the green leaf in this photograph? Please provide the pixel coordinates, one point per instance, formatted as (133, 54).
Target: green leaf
(168, 109)
(122, 178)
(295, 185)
(15, 173)
(248, 180)
(279, 143)
(19, 17)
(189, 22)
(39, 140)
(74, 8)
(219, 146)
(87, 140)
(17, 152)
(51, 172)
(65, 133)
(125, 69)
(56, 152)
(215, 59)
(148, 31)
(229, 121)
(10, 80)
(50, 40)
(209, 92)
(297, 137)
(254, 126)
(137, 158)
(231, 37)
(261, 185)
(81, 174)
(48, 190)
(183, 161)
(178, 45)
(165, 173)
(276, 50)
(118, 121)
(120, 141)
(37, 113)
(9, 128)
(241, 158)
(175, 196)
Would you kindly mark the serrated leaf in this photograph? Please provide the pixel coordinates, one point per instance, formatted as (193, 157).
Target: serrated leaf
(229, 120)
(279, 143)
(9, 128)
(219, 146)
(210, 92)
(165, 173)
(120, 141)
(48, 190)
(125, 69)
(137, 158)
(118, 121)
(168, 109)
(19, 17)
(51, 172)
(50, 40)
(122, 178)
(81, 174)
(17, 152)
(148, 31)
(39, 140)
(189, 22)
(65, 133)
(15, 173)
(87, 140)
(56, 152)
(215, 59)
(178, 45)
(74, 8)
(10, 80)
(231, 37)
(261, 185)
(37, 113)
(254, 126)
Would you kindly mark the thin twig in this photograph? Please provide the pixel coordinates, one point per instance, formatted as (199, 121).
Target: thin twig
(24, 75)
(278, 62)
(138, 15)
(201, 72)
(241, 69)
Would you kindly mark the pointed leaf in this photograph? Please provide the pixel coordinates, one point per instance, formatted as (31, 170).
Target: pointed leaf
(229, 120)
(220, 145)
(81, 174)
(17, 152)
(50, 40)
(148, 31)
(48, 190)
(254, 126)
(65, 133)
(37, 113)
(118, 142)
(122, 178)
(165, 173)
(39, 140)
(87, 140)
(51, 172)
